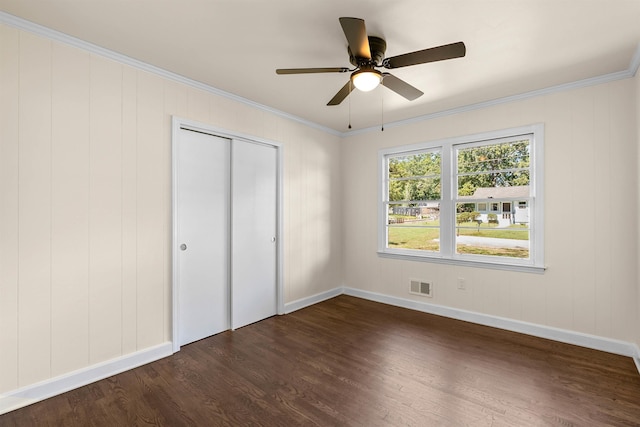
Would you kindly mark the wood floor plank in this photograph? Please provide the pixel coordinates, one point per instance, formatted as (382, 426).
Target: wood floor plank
(352, 362)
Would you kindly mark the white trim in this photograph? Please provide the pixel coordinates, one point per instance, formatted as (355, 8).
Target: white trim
(461, 262)
(561, 335)
(175, 129)
(40, 30)
(290, 307)
(222, 132)
(43, 390)
(280, 231)
(178, 123)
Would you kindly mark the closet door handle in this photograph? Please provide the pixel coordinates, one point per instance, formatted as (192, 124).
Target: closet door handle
(183, 247)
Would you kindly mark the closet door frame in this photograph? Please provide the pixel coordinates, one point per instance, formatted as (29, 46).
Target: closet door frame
(180, 123)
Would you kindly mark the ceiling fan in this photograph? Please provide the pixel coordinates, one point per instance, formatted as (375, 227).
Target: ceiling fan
(366, 53)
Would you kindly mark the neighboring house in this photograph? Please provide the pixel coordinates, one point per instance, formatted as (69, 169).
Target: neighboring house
(423, 209)
(511, 204)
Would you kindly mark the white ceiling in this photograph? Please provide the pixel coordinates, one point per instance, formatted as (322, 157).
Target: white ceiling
(513, 46)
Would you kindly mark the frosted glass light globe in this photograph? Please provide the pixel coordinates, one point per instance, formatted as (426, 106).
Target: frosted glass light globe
(366, 80)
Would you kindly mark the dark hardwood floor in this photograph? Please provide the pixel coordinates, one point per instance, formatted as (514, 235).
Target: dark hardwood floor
(352, 362)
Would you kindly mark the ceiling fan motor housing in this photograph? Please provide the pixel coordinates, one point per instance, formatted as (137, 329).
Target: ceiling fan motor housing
(377, 46)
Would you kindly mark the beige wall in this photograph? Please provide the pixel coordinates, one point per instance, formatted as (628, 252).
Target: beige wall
(591, 200)
(85, 204)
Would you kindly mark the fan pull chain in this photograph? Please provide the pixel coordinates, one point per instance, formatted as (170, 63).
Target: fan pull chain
(382, 107)
(350, 89)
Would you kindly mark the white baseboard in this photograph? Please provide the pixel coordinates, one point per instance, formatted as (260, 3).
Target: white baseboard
(636, 357)
(36, 392)
(313, 299)
(561, 335)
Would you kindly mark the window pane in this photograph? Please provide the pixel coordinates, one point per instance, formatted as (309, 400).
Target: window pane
(415, 165)
(494, 157)
(414, 189)
(492, 234)
(414, 227)
(492, 166)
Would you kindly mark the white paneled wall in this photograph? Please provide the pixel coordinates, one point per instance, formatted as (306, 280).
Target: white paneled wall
(9, 211)
(70, 131)
(591, 220)
(313, 255)
(85, 204)
(34, 208)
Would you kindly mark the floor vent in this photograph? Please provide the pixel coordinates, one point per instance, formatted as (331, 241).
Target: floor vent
(421, 288)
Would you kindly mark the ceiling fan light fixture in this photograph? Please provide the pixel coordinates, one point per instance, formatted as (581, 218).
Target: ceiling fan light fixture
(366, 79)
(366, 53)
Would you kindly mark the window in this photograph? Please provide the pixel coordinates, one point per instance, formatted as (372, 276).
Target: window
(414, 195)
(453, 201)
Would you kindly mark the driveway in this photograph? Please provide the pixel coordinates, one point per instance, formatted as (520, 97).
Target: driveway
(492, 242)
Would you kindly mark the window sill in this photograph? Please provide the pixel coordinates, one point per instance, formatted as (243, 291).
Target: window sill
(463, 262)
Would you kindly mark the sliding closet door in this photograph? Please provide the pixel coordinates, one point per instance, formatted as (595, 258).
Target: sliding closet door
(203, 235)
(254, 254)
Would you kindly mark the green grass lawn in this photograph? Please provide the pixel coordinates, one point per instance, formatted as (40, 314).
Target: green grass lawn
(422, 235)
(516, 231)
(406, 237)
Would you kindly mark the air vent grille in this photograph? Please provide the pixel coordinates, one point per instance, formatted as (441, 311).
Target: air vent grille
(419, 287)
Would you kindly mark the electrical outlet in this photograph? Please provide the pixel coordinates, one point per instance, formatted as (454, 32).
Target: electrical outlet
(462, 283)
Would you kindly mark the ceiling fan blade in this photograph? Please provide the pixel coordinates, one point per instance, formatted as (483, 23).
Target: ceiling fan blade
(401, 87)
(342, 94)
(448, 51)
(356, 34)
(311, 70)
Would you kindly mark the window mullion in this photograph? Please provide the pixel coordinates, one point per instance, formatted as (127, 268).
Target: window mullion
(447, 206)
(383, 193)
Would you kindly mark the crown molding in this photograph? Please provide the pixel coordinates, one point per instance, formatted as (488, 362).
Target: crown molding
(58, 36)
(40, 30)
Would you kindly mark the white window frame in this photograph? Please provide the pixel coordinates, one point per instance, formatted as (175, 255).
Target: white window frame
(447, 253)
